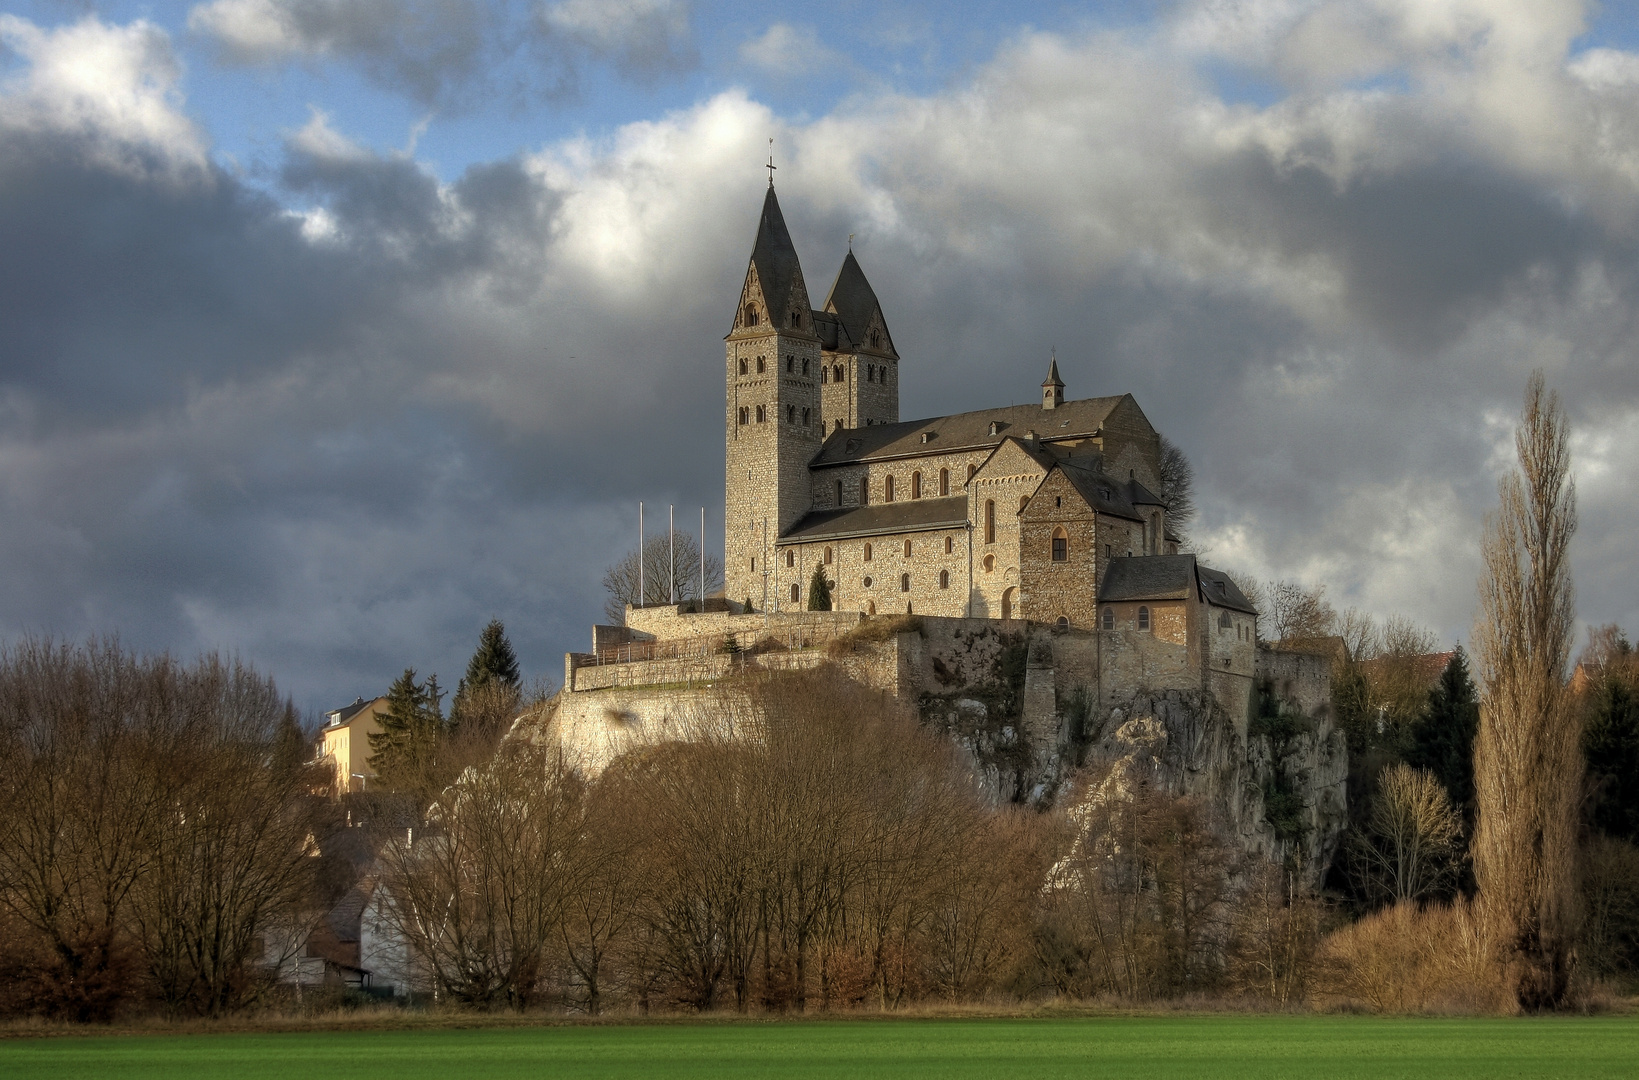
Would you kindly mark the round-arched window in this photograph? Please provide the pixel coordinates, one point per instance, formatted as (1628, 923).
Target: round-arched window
(1061, 545)
(867, 552)
(1143, 618)
(1064, 620)
(904, 583)
(1109, 618)
(916, 485)
(990, 563)
(944, 579)
(751, 314)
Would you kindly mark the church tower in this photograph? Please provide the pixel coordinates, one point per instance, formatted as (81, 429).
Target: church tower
(859, 379)
(774, 425)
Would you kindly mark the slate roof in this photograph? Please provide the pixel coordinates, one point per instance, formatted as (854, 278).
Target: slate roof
(1170, 577)
(1103, 492)
(910, 515)
(964, 431)
(774, 255)
(347, 712)
(853, 301)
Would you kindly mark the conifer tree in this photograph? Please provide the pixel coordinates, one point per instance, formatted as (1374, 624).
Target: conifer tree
(1443, 738)
(404, 749)
(819, 590)
(493, 660)
(1611, 744)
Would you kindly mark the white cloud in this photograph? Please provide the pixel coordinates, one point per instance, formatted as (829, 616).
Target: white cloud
(789, 51)
(114, 87)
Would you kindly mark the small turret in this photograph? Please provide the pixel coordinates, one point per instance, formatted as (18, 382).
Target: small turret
(1052, 390)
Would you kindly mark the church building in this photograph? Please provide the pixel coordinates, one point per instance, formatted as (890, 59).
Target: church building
(1016, 512)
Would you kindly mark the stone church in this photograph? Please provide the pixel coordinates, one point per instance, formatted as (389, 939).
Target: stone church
(1019, 512)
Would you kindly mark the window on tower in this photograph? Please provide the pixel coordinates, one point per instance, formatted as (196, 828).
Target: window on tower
(745, 414)
(805, 418)
(904, 583)
(751, 315)
(990, 521)
(796, 319)
(836, 373)
(762, 414)
(825, 375)
(944, 579)
(791, 414)
(805, 367)
(790, 364)
(762, 365)
(743, 366)
(793, 584)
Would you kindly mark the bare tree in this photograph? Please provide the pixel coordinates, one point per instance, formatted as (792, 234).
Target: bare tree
(620, 581)
(1527, 759)
(1409, 849)
(1298, 613)
(1177, 489)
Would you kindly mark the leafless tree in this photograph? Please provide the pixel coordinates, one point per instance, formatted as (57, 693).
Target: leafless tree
(1409, 848)
(1527, 760)
(479, 894)
(1298, 613)
(620, 581)
(1177, 489)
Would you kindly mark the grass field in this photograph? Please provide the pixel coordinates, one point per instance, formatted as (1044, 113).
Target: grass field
(1123, 1047)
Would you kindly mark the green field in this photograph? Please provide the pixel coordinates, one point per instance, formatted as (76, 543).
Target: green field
(1122, 1047)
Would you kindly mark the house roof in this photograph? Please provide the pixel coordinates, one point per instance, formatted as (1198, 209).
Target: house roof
(1170, 577)
(965, 431)
(1103, 492)
(911, 515)
(347, 712)
(774, 255)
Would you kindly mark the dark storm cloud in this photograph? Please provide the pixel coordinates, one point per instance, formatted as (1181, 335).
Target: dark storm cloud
(444, 52)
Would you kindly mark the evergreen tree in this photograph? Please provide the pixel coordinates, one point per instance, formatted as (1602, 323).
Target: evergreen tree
(819, 590)
(493, 660)
(1611, 743)
(492, 675)
(404, 749)
(1443, 738)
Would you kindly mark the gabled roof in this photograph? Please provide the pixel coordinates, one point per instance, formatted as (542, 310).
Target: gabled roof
(965, 431)
(1053, 376)
(911, 515)
(853, 301)
(1170, 577)
(347, 712)
(774, 255)
(1104, 493)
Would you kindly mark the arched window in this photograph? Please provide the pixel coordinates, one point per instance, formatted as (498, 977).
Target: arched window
(950, 545)
(796, 319)
(762, 364)
(870, 373)
(791, 414)
(944, 579)
(876, 339)
(904, 583)
(805, 418)
(864, 490)
(742, 365)
(790, 557)
(1064, 620)
(761, 415)
(825, 374)
(837, 426)
(867, 556)
(944, 482)
(790, 364)
(1225, 622)
(827, 556)
(990, 521)
(1143, 618)
(745, 414)
(971, 469)
(887, 490)
(916, 485)
(839, 494)
(1061, 546)
(870, 607)
(805, 367)
(1024, 500)
(907, 549)
(794, 592)
(990, 563)
(751, 315)
(1109, 618)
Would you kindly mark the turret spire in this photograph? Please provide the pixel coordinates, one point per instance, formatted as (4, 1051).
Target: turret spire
(1052, 388)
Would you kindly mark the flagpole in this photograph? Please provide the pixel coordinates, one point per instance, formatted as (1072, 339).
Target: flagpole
(640, 553)
(671, 544)
(702, 560)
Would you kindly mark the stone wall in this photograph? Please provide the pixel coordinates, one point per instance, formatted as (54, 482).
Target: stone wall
(1068, 589)
(1303, 678)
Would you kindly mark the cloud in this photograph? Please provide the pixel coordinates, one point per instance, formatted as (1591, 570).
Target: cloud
(441, 51)
(112, 88)
(788, 52)
(338, 426)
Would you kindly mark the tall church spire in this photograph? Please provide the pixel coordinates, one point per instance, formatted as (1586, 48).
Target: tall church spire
(774, 288)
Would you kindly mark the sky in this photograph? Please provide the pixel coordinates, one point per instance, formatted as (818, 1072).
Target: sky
(330, 329)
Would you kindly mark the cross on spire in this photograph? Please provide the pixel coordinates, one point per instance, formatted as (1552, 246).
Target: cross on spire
(770, 166)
